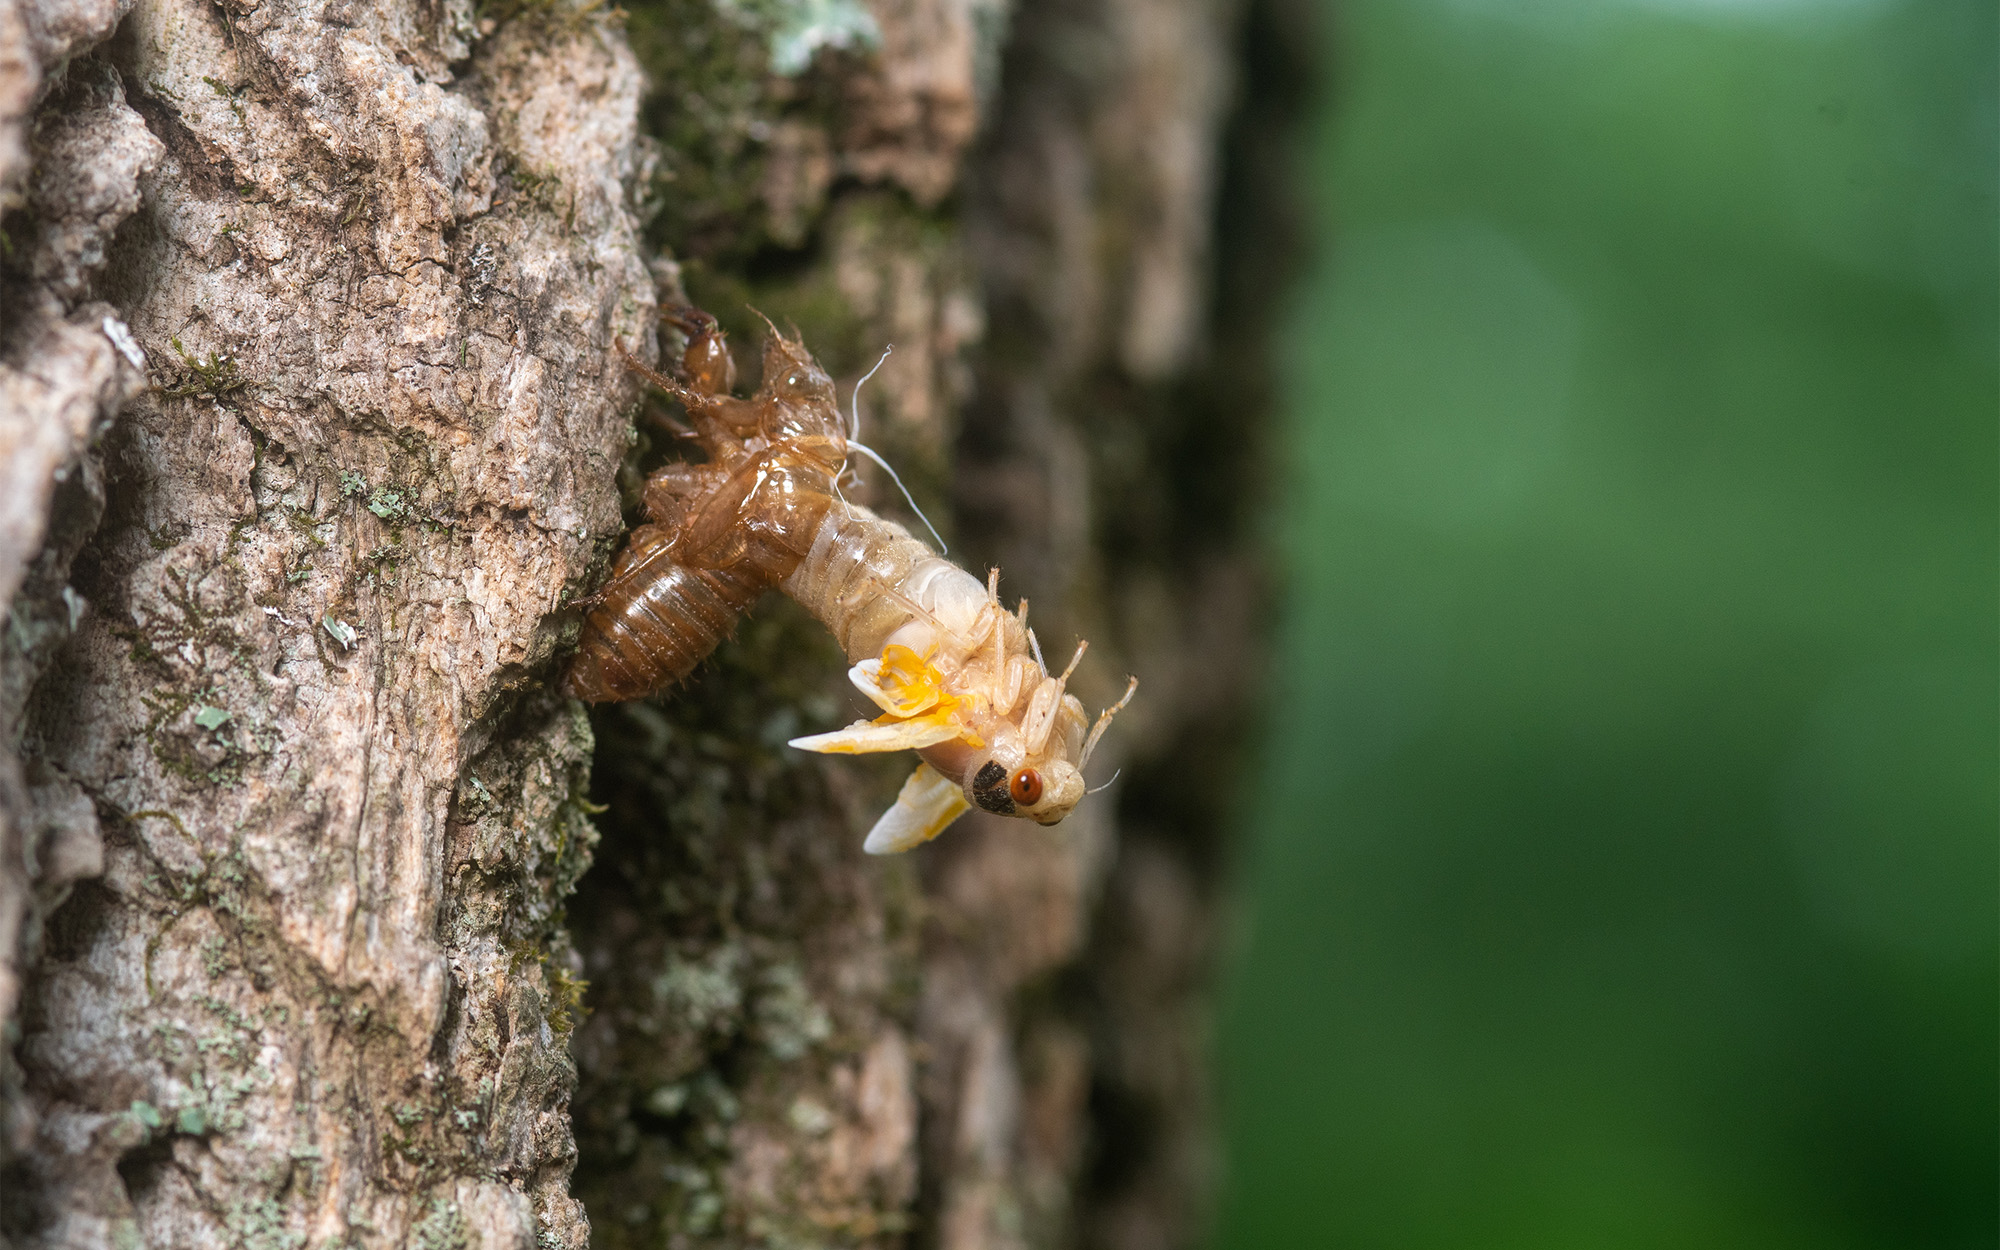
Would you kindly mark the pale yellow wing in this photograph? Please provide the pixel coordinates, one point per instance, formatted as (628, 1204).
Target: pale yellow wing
(864, 737)
(929, 802)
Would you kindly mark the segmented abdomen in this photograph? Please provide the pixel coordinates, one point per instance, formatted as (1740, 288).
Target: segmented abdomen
(656, 620)
(864, 578)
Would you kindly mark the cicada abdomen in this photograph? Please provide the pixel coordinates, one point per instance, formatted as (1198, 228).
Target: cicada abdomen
(655, 620)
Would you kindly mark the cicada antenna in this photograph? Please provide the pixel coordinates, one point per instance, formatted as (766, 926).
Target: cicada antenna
(854, 441)
(876, 456)
(854, 400)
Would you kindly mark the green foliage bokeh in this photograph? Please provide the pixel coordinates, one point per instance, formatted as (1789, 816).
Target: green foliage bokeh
(1622, 857)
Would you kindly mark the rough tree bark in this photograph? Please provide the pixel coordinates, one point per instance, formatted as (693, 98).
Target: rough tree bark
(310, 424)
(298, 745)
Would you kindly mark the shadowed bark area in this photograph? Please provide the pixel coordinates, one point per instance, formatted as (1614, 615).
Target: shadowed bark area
(311, 424)
(1008, 1037)
(1137, 235)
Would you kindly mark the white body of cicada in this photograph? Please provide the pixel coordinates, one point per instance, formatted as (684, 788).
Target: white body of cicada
(959, 680)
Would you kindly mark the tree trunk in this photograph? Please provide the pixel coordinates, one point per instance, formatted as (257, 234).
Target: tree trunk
(311, 423)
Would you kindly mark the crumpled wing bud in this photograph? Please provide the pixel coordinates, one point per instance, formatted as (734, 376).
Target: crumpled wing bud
(929, 802)
(901, 683)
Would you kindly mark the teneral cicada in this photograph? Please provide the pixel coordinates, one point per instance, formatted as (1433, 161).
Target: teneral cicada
(958, 678)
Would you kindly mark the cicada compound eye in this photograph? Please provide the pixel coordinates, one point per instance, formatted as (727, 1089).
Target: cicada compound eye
(1025, 787)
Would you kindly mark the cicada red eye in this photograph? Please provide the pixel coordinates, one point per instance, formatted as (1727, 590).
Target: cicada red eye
(1025, 787)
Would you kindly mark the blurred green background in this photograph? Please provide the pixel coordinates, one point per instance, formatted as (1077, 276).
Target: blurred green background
(1622, 863)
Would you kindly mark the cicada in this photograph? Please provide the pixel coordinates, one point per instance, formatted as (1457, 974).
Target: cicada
(956, 677)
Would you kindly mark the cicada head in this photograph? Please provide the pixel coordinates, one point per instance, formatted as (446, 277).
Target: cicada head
(1026, 754)
(1043, 786)
(706, 361)
(798, 396)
